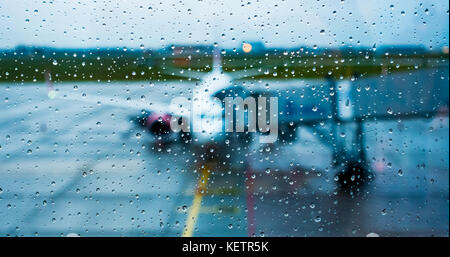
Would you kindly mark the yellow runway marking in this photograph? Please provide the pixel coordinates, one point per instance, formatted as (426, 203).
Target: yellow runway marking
(196, 203)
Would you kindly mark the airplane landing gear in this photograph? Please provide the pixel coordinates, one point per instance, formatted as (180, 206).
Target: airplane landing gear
(356, 172)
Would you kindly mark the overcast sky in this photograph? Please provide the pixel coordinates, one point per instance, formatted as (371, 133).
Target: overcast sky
(153, 24)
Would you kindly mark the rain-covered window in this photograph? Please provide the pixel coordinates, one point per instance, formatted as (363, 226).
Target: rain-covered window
(224, 118)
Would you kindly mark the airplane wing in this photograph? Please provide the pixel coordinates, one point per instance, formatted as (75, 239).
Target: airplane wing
(113, 102)
(185, 73)
(117, 101)
(245, 73)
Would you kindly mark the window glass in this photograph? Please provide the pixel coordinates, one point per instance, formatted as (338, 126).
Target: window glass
(224, 118)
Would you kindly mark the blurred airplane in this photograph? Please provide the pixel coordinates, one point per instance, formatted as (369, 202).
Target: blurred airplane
(315, 105)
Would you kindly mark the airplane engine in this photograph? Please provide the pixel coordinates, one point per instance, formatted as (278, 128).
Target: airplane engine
(158, 124)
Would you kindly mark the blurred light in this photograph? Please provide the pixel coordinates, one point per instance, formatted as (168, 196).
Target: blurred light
(246, 47)
(51, 94)
(445, 49)
(378, 166)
